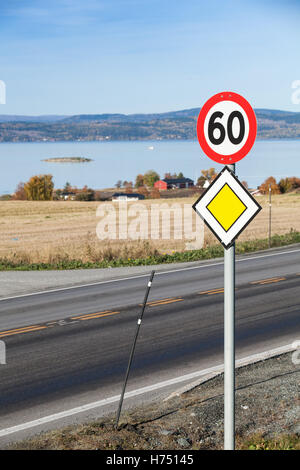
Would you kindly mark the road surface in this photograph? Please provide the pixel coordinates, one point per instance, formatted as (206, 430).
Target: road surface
(69, 347)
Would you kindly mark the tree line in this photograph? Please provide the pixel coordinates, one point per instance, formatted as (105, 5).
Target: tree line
(284, 185)
(41, 187)
(148, 180)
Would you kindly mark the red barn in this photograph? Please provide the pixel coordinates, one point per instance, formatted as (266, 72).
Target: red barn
(174, 183)
(161, 185)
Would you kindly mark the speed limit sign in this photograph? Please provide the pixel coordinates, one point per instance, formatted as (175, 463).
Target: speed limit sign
(226, 128)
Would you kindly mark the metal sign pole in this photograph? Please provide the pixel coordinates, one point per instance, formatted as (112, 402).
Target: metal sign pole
(229, 345)
(227, 208)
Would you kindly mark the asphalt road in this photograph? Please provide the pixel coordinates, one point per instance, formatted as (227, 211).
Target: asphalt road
(70, 347)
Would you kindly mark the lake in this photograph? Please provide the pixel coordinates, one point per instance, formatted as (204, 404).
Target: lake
(113, 161)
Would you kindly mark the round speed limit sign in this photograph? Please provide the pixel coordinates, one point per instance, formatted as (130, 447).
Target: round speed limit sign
(226, 127)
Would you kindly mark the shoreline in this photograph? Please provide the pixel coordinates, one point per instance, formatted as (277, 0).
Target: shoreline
(67, 160)
(105, 141)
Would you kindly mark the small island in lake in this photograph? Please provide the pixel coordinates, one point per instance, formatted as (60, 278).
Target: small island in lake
(67, 160)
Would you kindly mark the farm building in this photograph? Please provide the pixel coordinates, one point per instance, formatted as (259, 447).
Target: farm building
(68, 196)
(116, 197)
(174, 183)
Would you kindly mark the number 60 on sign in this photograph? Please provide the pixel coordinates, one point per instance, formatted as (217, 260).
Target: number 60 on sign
(226, 128)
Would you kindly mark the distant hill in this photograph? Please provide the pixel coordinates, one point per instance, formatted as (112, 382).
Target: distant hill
(181, 125)
(16, 118)
(189, 113)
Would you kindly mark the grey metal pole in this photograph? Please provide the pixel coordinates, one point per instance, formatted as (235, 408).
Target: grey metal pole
(270, 215)
(229, 345)
(139, 321)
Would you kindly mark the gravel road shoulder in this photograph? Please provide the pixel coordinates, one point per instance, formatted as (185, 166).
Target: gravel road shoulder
(267, 403)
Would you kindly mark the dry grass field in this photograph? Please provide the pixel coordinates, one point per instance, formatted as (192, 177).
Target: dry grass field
(35, 232)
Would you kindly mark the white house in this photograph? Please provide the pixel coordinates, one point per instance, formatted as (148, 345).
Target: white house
(116, 197)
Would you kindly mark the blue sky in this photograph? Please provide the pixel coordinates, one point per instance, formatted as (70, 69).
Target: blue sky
(128, 56)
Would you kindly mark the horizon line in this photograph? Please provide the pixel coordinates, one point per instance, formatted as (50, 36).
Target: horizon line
(131, 114)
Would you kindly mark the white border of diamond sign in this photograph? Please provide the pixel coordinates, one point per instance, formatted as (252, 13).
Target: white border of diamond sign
(252, 207)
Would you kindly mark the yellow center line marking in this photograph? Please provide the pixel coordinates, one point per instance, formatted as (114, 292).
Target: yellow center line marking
(213, 291)
(161, 300)
(83, 315)
(164, 302)
(269, 281)
(21, 330)
(99, 316)
(90, 316)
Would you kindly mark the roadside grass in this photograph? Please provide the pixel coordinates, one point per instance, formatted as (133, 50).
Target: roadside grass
(102, 435)
(139, 254)
(281, 442)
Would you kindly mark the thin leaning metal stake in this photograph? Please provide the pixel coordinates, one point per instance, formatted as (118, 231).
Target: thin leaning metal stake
(139, 321)
(229, 346)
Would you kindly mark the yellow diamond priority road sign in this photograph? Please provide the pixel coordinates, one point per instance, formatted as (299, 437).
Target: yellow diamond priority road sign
(226, 207)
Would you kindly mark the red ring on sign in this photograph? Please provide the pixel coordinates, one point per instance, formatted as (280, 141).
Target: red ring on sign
(237, 156)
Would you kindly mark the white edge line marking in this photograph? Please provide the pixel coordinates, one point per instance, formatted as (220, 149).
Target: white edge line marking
(144, 275)
(97, 404)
